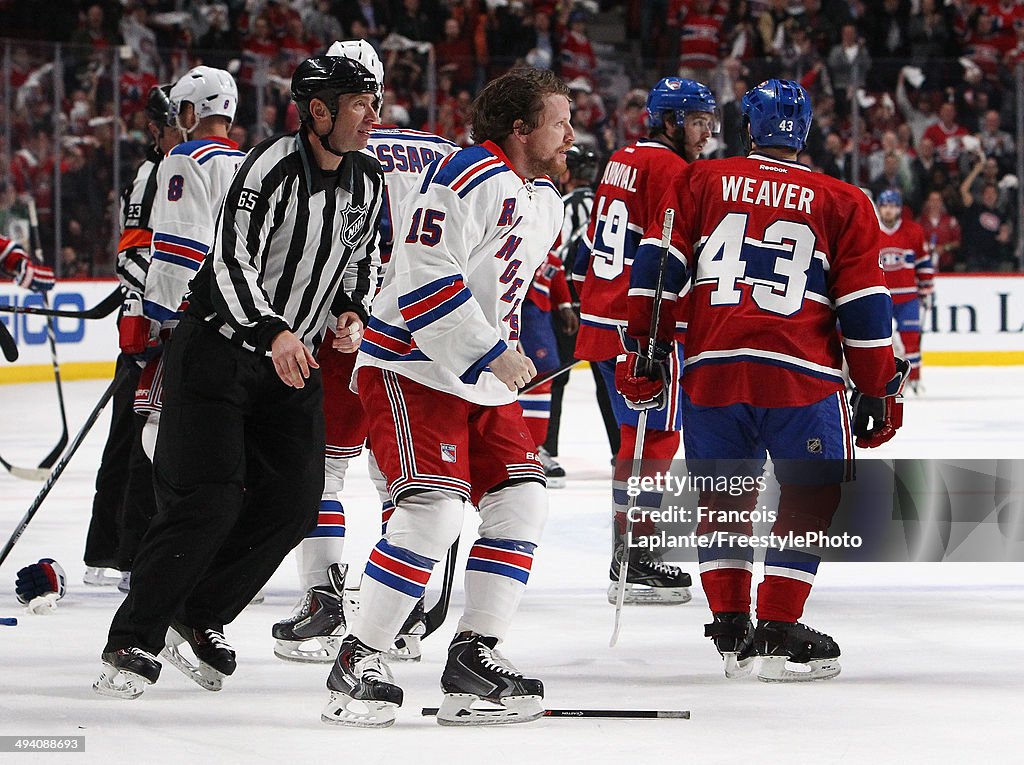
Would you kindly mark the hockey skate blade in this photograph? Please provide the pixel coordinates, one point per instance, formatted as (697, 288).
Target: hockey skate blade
(342, 709)
(318, 650)
(202, 674)
(130, 687)
(470, 709)
(406, 648)
(555, 482)
(736, 667)
(641, 595)
(778, 669)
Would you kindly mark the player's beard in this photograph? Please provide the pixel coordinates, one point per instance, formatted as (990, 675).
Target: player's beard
(552, 165)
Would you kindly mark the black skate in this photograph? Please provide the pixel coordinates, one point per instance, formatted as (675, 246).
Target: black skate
(648, 580)
(554, 472)
(812, 655)
(733, 635)
(363, 692)
(481, 687)
(214, 656)
(407, 644)
(126, 673)
(313, 633)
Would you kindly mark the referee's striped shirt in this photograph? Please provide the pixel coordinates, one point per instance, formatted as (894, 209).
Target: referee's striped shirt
(136, 235)
(293, 244)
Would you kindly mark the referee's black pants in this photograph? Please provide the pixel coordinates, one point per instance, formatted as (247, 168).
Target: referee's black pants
(239, 470)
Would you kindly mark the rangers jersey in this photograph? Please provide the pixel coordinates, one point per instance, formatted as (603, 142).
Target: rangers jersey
(626, 203)
(906, 260)
(191, 184)
(465, 252)
(777, 253)
(404, 155)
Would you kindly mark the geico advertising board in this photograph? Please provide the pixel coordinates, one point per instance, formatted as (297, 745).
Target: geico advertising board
(974, 320)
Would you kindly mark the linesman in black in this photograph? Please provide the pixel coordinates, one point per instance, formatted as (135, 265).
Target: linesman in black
(239, 461)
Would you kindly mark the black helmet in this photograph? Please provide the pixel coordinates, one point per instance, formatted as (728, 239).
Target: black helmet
(582, 163)
(158, 105)
(327, 77)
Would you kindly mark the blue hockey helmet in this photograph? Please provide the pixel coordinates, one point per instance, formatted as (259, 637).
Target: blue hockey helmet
(890, 197)
(778, 113)
(674, 94)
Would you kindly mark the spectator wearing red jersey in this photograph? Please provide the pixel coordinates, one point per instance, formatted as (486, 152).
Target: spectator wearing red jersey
(947, 135)
(297, 44)
(700, 40)
(134, 86)
(941, 231)
(577, 54)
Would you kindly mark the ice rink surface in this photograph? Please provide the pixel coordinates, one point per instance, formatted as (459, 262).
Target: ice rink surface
(933, 670)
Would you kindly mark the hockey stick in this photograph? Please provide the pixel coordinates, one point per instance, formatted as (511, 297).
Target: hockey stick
(617, 714)
(7, 344)
(548, 376)
(119, 378)
(641, 427)
(50, 458)
(101, 310)
(439, 611)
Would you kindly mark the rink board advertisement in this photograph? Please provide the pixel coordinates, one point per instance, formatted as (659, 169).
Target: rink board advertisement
(975, 320)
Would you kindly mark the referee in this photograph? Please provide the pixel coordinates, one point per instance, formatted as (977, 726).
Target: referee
(239, 461)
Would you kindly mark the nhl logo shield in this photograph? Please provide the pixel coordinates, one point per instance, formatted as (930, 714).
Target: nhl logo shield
(448, 453)
(353, 221)
(814, 446)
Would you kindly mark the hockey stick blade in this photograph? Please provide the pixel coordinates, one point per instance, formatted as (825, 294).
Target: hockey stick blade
(614, 714)
(438, 612)
(104, 308)
(119, 379)
(7, 344)
(25, 474)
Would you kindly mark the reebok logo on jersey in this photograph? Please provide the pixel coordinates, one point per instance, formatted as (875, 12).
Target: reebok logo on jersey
(448, 453)
(352, 223)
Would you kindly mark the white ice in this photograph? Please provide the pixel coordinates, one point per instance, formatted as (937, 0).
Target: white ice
(932, 665)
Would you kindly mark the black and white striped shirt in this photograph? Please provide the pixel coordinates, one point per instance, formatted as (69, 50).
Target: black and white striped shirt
(294, 244)
(136, 206)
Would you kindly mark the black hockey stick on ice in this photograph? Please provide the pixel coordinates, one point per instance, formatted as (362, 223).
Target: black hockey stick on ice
(548, 376)
(437, 613)
(641, 427)
(51, 336)
(616, 714)
(119, 378)
(101, 310)
(10, 352)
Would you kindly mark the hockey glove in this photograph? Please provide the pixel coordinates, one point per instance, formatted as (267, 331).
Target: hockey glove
(134, 330)
(876, 419)
(40, 585)
(34, 276)
(642, 381)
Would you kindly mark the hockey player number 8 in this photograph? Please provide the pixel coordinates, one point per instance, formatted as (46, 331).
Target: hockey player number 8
(610, 239)
(727, 251)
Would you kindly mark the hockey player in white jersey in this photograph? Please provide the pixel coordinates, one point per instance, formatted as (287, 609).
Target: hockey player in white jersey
(313, 631)
(191, 183)
(438, 371)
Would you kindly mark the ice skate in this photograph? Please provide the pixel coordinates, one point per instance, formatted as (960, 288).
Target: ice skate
(481, 687)
(648, 580)
(126, 673)
(313, 633)
(363, 692)
(733, 636)
(97, 576)
(214, 656)
(407, 644)
(555, 473)
(793, 652)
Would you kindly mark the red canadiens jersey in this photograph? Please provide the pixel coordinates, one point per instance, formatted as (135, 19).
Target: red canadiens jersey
(906, 260)
(627, 201)
(549, 288)
(776, 254)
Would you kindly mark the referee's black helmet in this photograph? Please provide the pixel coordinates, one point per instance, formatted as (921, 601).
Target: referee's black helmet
(158, 105)
(326, 78)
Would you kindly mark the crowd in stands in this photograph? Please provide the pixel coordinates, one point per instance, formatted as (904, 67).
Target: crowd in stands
(916, 95)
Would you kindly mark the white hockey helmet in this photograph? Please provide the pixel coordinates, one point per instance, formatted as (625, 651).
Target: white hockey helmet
(210, 91)
(363, 53)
